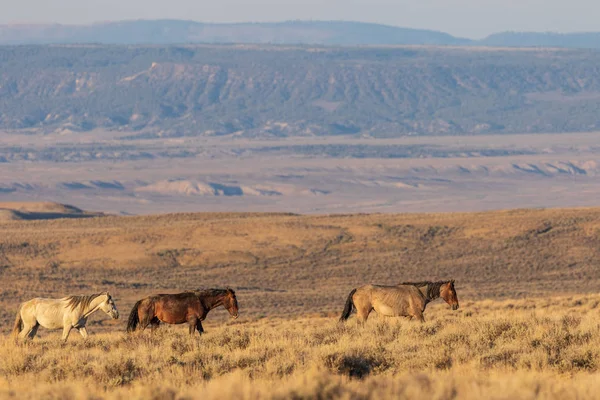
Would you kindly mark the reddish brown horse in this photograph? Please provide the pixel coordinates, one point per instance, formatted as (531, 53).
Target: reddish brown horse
(190, 307)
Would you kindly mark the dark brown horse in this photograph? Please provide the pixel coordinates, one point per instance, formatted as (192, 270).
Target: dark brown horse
(190, 307)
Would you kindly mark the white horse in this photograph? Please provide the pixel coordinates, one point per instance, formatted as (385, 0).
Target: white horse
(66, 313)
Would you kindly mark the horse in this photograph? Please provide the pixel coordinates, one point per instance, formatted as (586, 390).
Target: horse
(66, 313)
(406, 300)
(191, 307)
(435, 290)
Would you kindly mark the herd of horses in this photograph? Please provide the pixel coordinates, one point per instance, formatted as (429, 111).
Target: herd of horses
(407, 299)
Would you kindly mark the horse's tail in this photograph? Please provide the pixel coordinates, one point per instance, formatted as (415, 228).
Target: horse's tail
(348, 306)
(134, 318)
(18, 324)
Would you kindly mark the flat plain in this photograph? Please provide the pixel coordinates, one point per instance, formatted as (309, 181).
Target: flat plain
(109, 171)
(526, 279)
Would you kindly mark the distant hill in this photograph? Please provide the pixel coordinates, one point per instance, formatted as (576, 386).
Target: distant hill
(587, 40)
(261, 90)
(17, 211)
(328, 33)
(179, 32)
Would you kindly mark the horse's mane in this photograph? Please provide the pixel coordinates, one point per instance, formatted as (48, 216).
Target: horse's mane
(212, 292)
(433, 288)
(81, 301)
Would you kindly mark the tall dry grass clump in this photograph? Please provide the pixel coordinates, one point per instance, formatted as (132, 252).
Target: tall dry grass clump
(547, 348)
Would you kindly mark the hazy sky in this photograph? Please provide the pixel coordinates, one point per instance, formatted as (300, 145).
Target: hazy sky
(468, 18)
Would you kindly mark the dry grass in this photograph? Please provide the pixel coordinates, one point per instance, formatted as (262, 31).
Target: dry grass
(290, 265)
(543, 348)
(292, 274)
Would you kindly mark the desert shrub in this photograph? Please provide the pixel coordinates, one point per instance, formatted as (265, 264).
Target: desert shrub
(120, 373)
(318, 357)
(357, 363)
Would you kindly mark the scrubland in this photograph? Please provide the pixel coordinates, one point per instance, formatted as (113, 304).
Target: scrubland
(526, 280)
(542, 348)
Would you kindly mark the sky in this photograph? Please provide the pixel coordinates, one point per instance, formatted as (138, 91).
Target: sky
(466, 18)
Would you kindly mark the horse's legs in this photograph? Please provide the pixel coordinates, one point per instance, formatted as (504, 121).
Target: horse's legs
(83, 332)
(418, 314)
(199, 327)
(66, 330)
(29, 331)
(362, 313)
(192, 321)
(34, 330)
(25, 331)
(145, 319)
(154, 323)
(21, 334)
(30, 324)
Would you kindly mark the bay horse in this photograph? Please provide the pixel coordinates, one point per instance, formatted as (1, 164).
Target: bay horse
(66, 313)
(190, 307)
(408, 299)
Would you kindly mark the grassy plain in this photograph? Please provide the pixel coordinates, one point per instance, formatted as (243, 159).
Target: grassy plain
(527, 327)
(500, 350)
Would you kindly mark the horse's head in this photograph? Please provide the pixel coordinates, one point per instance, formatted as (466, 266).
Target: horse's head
(109, 307)
(448, 293)
(230, 303)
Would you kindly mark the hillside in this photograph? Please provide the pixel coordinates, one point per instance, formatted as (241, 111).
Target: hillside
(526, 280)
(15, 211)
(328, 33)
(277, 91)
(179, 32)
(300, 265)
